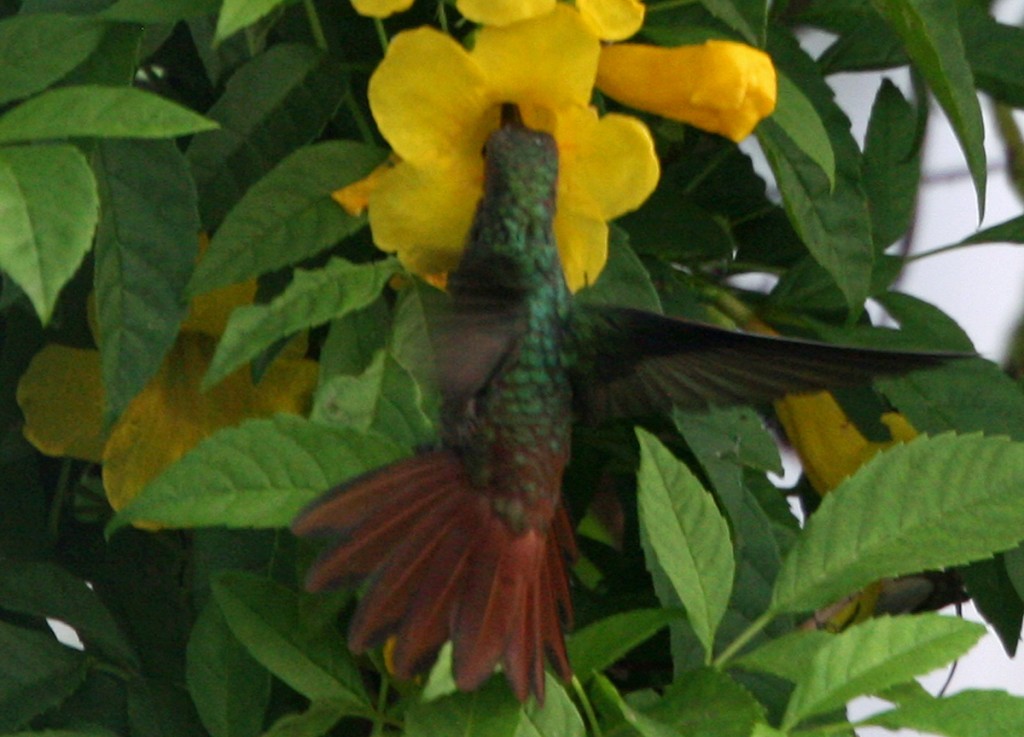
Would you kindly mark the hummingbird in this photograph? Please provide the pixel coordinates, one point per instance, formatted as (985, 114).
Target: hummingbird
(470, 542)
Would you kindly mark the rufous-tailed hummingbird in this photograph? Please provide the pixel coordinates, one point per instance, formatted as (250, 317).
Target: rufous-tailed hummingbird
(470, 542)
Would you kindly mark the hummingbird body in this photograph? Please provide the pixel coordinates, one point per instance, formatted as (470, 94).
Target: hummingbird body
(469, 542)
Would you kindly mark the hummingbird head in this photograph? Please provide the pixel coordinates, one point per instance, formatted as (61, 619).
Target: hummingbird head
(521, 164)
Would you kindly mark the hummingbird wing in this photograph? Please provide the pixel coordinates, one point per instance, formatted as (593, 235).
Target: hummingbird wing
(633, 363)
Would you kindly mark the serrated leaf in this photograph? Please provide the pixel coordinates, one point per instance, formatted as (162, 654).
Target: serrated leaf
(287, 216)
(36, 673)
(965, 714)
(708, 703)
(685, 536)
(238, 14)
(353, 341)
(166, 11)
(273, 104)
(599, 645)
(45, 231)
(930, 31)
(146, 245)
(609, 701)
(27, 46)
(788, 656)
(267, 619)
(875, 655)
(559, 716)
(892, 165)
(259, 474)
(990, 588)
(491, 711)
(749, 17)
(228, 687)
(313, 298)
(795, 114)
(383, 399)
(929, 504)
(47, 590)
(93, 111)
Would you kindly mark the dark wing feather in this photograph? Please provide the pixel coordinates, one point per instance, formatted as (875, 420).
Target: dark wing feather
(634, 363)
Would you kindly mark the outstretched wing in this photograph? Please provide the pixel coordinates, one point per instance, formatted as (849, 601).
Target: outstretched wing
(634, 363)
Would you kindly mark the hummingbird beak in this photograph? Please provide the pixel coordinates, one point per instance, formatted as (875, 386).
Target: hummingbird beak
(510, 115)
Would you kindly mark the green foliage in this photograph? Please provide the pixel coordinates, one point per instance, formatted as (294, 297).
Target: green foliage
(135, 132)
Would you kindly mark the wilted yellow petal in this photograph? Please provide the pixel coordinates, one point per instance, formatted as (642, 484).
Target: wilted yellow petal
(547, 62)
(61, 396)
(170, 415)
(429, 99)
(503, 12)
(613, 20)
(380, 8)
(208, 313)
(721, 86)
(355, 198)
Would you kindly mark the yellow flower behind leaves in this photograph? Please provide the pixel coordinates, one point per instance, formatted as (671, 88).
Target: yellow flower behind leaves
(61, 396)
(719, 86)
(380, 8)
(437, 103)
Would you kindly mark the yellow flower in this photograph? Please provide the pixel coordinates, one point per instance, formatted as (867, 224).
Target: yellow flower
(422, 208)
(380, 8)
(720, 86)
(829, 445)
(611, 20)
(61, 397)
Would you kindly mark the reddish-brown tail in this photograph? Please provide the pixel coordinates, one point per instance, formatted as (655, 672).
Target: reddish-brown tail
(443, 565)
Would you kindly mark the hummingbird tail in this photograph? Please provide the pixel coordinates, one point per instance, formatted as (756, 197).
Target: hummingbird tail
(442, 564)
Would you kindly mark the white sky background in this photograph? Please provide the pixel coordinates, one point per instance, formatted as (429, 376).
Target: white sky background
(981, 287)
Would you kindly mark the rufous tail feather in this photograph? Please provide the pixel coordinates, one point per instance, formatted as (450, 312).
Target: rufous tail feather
(442, 565)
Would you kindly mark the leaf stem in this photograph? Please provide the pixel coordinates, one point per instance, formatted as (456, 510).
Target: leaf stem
(59, 497)
(365, 132)
(588, 709)
(745, 637)
(945, 249)
(382, 34)
(315, 26)
(442, 16)
(382, 702)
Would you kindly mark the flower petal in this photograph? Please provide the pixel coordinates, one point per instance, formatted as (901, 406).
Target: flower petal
(550, 61)
(380, 8)
(611, 159)
(582, 245)
(170, 415)
(721, 86)
(424, 214)
(355, 198)
(613, 20)
(61, 396)
(429, 99)
(503, 12)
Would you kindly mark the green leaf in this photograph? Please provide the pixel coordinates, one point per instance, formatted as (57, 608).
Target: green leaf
(146, 245)
(45, 231)
(989, 585)
(708, 703)
(315, 721)
(559, 716)
(993, 49)
(267, 619)
(788, 656)
(1010, 231)
(749, 17)
(966, 714)
(353, 341)
(685, 536)
(238, 14)
(797, 117)
(1014, 560)
(228, 687)
(891, 166)
(287, 216)
(929, 504)
(272, 105)
(875, 655)
(383, 399)
(314, 297)
(624, 281)
(160, 708)
(166, 11)
(490, 711)
(47, 590)
(832, 221)
(930, 31)
(28, 44)
(259, 474)
(607, 698)
(36, 673)
(104, 112)
(599, 645)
